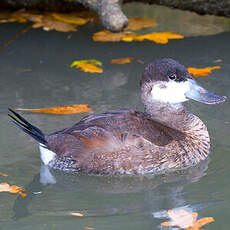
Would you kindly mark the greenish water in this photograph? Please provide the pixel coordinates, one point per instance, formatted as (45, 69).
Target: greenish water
(35, 72)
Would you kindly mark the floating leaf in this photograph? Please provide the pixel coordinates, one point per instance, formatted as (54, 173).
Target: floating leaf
(137, 23)
(8, 16)
(3, 174)
(161, 37)
(90, 66)
(68, 109)
(202, 222)
(127, 36)
(198, 72)
(77, 214)
(88, 228)
(71, 18)
(121, 60)
(49, 21)
(90, 61)
(108, 36)
(186, 220)
(5, 187)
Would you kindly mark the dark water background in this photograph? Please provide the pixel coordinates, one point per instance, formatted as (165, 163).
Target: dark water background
(35, 72)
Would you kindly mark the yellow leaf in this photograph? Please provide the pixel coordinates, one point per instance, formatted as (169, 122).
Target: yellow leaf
(186, 220)
(90, 61)
(77, 214)
(71, 18)
(198, 72)
(5, 187)
(3, 174)
(108, 36)
(121, 60)
(161, 37)
(90, 66)
(137, 23)
(68, 109)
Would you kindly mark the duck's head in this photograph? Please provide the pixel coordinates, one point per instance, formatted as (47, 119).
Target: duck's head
(167, 81)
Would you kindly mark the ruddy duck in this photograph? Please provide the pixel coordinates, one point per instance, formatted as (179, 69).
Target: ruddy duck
(165, 136)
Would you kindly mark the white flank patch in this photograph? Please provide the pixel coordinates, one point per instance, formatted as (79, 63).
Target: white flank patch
(46, 154)
(170, 92)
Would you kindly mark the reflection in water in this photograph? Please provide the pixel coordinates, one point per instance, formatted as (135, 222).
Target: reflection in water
(154, 193)
(178, 21)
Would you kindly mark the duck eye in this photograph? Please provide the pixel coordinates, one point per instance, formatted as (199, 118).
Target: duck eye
(172, 76)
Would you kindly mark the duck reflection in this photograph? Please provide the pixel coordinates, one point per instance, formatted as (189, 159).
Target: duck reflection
(117, 194)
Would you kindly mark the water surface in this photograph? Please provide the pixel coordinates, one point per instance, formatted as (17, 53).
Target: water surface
(35, 72)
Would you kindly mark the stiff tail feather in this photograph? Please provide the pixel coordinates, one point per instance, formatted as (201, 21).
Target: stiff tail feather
(28, 128)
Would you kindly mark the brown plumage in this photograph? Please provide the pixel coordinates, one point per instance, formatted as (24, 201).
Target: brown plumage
(166, 136)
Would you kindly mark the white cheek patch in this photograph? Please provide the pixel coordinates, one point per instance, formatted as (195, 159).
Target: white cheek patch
(170, 92)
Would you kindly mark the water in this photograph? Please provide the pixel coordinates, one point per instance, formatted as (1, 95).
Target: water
(35, 72)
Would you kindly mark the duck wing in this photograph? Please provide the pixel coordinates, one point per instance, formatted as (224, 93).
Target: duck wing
(99, 142)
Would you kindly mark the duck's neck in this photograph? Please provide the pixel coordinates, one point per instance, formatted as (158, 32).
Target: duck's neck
(175, 116)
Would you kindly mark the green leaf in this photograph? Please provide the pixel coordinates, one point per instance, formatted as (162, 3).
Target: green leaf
(90, 61)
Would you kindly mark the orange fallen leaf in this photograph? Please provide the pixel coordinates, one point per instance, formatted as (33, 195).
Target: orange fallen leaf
(108, 36)
(5, 187)
(198, 72)
(68, 109)
(161, 37)
(202, 222)
(127, 36)
(88, 228)
(186, 220)
(77, 214)
(3, 174)
(71, 18)
(121, 60)
(90, 66)
(137, 23)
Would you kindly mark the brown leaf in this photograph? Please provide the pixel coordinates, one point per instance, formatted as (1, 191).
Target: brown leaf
(137, 23)
(108, 36)
(198, 72)
(5, 187)
(68, 109)
(121, 60)
(47, 22)
(8, 16)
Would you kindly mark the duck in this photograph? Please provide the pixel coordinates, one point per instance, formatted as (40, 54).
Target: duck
(164, 137)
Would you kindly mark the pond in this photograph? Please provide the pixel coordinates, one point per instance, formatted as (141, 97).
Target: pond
(35, 72)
